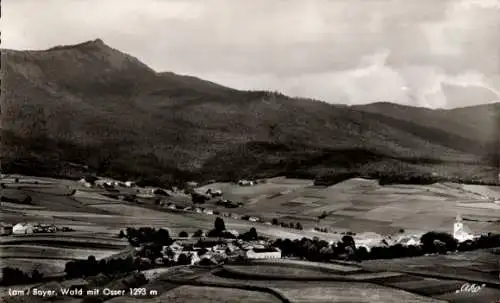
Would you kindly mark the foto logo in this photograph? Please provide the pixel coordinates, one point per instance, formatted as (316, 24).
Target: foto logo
(470, 288)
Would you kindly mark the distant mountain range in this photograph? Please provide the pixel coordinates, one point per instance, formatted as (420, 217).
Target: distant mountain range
(94, 105)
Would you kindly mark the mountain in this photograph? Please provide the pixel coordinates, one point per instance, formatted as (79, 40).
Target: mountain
(94, 105)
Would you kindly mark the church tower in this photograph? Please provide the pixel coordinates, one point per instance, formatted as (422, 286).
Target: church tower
(458, 227)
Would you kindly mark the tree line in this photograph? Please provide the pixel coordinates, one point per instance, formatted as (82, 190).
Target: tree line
(15, 276)
(346, 249)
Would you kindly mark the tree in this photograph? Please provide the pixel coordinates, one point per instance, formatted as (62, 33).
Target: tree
(198, 233)
(183, 234)
(219, 224)
(121, 234)
(36, 276)
(298, 226)
(274, 221)
(252, 233)
(348, 241)
(362, 253)
(202, 251)
(183, 260)
(429, 244)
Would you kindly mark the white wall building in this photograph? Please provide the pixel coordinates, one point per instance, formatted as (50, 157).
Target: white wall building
(460, 232)
(22, 229)
(266, 253)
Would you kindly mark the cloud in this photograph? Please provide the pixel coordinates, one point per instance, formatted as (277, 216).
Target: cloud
(349, 51)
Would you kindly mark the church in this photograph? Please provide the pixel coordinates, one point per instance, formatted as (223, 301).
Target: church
(460, 232)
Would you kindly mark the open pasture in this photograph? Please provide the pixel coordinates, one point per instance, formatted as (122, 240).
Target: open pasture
(321, 291)
(47, 267)
(469, 266)
(277, 271)
(195, 294)
(379, 208)
(51, 252)
(50, 199)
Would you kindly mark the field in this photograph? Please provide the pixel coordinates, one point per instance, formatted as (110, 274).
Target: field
(358, 205)
(195, 294)
(362, 205)
(321, 291)
(46, 266)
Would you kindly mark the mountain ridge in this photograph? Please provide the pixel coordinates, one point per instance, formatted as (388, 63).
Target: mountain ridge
(105, 108)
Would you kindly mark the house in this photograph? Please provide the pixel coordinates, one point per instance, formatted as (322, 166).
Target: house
(129, 183)
(253, 219)
(5, 229)
(171, 206)
(22, 229)
(213, 193)
(264, 253)
(85, 183)
(191, 184)
(197, 210)
(208, 211)
(245, 183)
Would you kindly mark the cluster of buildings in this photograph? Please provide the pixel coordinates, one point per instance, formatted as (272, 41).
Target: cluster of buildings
(25, 228)
(217, 251)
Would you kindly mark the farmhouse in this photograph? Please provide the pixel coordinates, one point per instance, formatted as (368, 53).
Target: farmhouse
(22, 229)
(208, 211)
(5, 229)
(85, 183)
(129, 183)
(245, 183)
(253, 219)
(263, 253)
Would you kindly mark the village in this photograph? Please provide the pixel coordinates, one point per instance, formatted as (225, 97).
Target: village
(26, 228)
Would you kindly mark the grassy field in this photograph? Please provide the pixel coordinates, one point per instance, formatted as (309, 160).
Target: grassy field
(37, 251)
(357, 205)
(195, 294)
(278, 271)
(308, 291)
(480, 265)
(363, 205)
(45, 266)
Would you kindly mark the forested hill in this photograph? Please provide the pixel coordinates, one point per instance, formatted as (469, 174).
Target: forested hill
(94, 105)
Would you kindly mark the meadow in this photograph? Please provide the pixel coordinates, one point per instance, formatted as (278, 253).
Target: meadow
(195, 294)
(322, 291)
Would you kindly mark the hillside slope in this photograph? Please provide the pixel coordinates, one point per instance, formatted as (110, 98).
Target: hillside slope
(92, 104)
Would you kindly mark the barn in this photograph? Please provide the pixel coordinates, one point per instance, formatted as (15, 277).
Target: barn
(264, 253)
(22, 229)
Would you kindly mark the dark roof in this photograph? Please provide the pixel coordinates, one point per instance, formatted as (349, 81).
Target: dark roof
(264, 250)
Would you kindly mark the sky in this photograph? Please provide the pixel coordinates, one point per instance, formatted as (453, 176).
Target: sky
(432, 53)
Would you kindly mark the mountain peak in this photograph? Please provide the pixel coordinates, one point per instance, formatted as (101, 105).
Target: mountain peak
(91, 43)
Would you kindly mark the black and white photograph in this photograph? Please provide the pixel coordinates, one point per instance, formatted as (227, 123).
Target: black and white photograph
(227, 151)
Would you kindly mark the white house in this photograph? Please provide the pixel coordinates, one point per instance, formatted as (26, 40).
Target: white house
(22, 229)
(264, 253)
(85, 183)
(253, 219)
(208, 211)
(245, 183)
(460, 232)
(129, 183)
